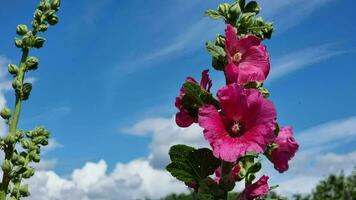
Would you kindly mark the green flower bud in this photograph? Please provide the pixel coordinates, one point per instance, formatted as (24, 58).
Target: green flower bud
(16, 84)
(55, 4)
(53, 20)
(13, 69)
(5, 113)
(28, 173)
(44, 5)
(247, 19)
(42, 28)
(21, 161)
(40, 140)
(235, 11)
(26, 90)
(26, 144)
(10, 139)
(21, 29)
(18, 43)
(36, 158)
(254, 168)
(38, 15)
(6, 166)
(38, 43)
(32, 63)
(24, 190)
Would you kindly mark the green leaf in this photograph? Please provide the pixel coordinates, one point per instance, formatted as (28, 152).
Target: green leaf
(189, 164)
(215, 51)
(252, 7)
(213, 14)
(204, 161)
(208, 187)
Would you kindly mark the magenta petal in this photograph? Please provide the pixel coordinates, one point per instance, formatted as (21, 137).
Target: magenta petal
(183, 119)
(216, 135)
(255, 59)
(206, 82)
(231, 101)
(246, 42)
(257, 189)
(287, 147)
(231, 40)
(231, 73)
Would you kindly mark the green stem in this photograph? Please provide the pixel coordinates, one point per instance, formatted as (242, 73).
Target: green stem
(13, 124)
(225, 170)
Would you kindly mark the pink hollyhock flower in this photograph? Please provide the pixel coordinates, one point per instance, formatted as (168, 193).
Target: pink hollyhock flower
(234, 172)
(183, 119)
(286, 149)
(258, 189)
(245, 123)
(248, 59)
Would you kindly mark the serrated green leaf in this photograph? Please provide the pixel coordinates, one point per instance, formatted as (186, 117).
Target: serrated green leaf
(215, 51)
(213, 14)
(189, 164)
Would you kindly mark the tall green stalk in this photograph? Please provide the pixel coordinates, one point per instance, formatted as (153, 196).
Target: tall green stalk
(15, 166)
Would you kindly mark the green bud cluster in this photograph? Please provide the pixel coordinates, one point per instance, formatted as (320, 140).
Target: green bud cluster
(16, 165)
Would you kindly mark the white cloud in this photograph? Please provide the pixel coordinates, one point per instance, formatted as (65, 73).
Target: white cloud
(165, 133)
(300, 59)
(134, 180)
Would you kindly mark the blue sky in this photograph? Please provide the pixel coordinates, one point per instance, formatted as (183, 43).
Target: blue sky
(110, 66)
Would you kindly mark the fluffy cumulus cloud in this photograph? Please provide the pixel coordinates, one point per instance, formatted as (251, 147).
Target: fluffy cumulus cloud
(165, 133)
(134, 180)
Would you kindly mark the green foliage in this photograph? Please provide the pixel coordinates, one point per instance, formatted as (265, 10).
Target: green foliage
(195, 97)
(191, 165)
(243, 17)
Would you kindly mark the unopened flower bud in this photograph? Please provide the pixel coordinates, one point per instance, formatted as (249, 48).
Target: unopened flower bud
(16, 84)
(28, 173)
(247, 19)
(31, 63)
(24, 190)
(10, 139)
(235, 11)
(37, 15)
(38, 43)
(42, 28)
(6, 166)
(53, 20)
(26, 90)
(18, 43)
(5, 113)
(21, 29)
(55, 4)
(13, 69)
(21, 160)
